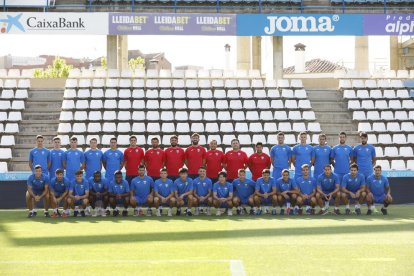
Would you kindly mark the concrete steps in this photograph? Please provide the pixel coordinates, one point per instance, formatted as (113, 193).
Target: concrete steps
(333, 115)
(41, 116)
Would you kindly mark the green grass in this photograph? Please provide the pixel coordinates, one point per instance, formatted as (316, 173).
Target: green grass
(266, 245)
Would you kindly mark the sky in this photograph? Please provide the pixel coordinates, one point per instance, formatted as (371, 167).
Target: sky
(205, 51)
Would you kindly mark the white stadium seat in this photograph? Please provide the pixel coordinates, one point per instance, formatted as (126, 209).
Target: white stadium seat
(7, 140)
(391, 152)
(398, 165)
(362, 94)
(406, 152)
(5, 153)
(198, 116)
(94, 128)
(98, 83)
(399, 139)
(379, 152)
(384, 139)
(410, 165)
(385, 164)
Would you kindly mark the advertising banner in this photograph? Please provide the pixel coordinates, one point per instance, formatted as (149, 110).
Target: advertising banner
(299, 24)
(54, 23)
(388, 24)
(172, 24)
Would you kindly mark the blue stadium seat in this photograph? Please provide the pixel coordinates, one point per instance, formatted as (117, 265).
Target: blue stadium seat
(409, 83)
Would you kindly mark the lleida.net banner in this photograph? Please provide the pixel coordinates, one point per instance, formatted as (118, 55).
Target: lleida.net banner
(172, 24)
(54, 23)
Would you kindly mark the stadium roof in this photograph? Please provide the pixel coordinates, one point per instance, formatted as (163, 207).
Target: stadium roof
(317, 65)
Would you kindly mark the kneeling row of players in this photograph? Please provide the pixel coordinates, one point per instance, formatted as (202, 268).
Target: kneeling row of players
(291, 196)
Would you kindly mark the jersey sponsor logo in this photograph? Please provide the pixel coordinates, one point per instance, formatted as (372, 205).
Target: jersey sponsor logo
(238, 153)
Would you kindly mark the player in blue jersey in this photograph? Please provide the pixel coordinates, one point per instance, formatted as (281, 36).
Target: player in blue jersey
(164, 193)
(119, 193)
(142, 193)
(307, 190)
(79, 194)
(93, 159)
(287, 193)
(113, 160)
(184, 186)
(243, 192)
(302, 154)
(364, 155)
(341, 157)
(98, 194)
(39, 156)
(56, 157)
(379, 191)
(37, 189)
(73, 159)
(280, 156)
(203, 188)
(265, 192)
(322, 153)
(328, 187)
(59, 191)
(353, 188)
(223, 194)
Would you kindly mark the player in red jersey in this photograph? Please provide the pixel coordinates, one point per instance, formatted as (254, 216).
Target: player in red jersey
(154, 159)
(259, 161)
(194, 156)
(214, 161)
(174, 158)
(133, 157)
(235, 160)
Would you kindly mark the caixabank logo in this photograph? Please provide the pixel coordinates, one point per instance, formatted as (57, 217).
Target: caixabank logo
(53, 23)
(8, 22)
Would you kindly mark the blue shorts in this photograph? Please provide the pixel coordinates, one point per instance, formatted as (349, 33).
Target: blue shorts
(277, 173)
(98, 198)
(185, 199)
(327, 192)
(78, 202)
(244, 200)
(307, 201)
(224, 205)
(266, 201)
(57, 194)
(379, 199)
(120, 201)
(141, 200)
(37, 192)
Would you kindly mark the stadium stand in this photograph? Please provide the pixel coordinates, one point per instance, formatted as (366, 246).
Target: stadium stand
(384, 109)
(217, 104)
(13, 94)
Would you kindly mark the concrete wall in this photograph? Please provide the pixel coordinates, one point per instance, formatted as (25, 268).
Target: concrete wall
(48, 83)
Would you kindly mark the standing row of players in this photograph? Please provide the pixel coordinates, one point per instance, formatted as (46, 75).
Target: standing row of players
(98, 193)
(174, 157)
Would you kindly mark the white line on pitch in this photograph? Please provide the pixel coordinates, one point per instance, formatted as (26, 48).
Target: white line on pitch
(237, 268)
(30, 262)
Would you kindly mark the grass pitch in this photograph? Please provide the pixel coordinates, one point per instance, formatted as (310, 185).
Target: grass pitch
(250, 245)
